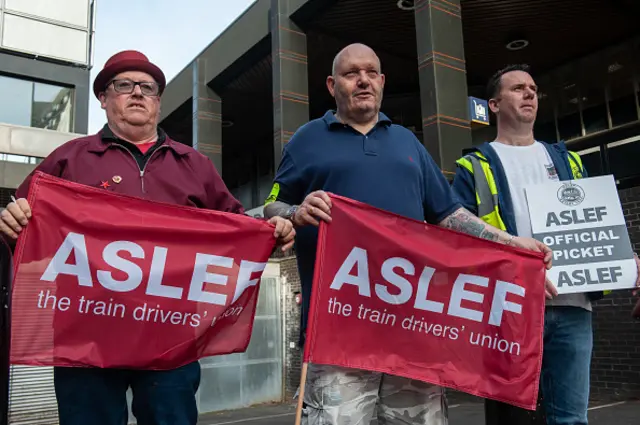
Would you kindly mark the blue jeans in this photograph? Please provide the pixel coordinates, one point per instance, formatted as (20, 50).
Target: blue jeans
(98, 396)
(568, 342)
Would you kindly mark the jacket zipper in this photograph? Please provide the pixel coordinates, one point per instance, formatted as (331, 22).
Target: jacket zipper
(145, 165)
(136, 162)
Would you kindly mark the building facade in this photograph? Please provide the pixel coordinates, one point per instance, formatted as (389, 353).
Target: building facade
(45, 60)
(245, 95)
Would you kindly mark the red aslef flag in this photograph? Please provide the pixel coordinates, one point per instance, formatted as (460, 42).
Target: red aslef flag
(108, 280)
(402, 297)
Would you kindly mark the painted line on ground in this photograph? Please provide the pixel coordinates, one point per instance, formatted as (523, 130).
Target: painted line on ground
(453, 406)
(607, 405)
(256, 418)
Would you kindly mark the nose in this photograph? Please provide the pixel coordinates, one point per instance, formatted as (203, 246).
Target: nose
(529, 93)
(363, 79)
(137, 91)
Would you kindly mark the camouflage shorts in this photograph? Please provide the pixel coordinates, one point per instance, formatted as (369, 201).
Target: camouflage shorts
(340, 396)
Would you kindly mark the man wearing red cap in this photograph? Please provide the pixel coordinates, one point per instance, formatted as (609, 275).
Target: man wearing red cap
(132, 156)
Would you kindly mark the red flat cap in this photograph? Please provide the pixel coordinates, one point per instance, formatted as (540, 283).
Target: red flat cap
(128, 60)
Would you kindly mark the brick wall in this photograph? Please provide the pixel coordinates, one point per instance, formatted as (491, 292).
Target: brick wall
(293, 354)
(615, 369)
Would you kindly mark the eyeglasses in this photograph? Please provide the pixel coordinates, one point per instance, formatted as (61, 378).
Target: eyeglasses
(127, 87)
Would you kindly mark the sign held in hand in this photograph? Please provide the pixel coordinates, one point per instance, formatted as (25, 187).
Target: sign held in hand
(583, 223)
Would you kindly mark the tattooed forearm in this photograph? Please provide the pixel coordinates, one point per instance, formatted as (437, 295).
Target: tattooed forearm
(463, 221)
(276, 208)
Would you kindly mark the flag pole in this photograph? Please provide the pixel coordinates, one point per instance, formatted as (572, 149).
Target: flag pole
(303, 381)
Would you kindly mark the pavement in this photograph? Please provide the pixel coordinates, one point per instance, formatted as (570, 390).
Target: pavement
(464, 413)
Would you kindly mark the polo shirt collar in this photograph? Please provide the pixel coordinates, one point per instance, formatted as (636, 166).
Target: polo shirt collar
(332, 122)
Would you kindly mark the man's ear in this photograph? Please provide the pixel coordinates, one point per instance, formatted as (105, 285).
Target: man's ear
(331, 85)
(494, 105)
(102, 96)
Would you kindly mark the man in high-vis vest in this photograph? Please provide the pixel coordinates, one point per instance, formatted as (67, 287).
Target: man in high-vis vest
(490, 183)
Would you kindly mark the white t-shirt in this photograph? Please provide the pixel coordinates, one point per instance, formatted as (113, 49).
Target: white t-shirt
(524, 165)
(529, 165)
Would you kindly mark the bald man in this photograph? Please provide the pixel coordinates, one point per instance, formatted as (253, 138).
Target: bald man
(357, 152)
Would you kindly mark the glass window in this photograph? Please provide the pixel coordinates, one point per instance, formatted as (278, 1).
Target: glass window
(622, 102)
(636, 88)
(15, 101)
(51, 107)
(545, 126)
(592, 162)
(594, 110)
(569, 123)
(34, 104)
(623, 159)
(20, 159)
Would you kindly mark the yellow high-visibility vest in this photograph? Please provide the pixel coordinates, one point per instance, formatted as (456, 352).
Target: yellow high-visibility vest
(487, 190)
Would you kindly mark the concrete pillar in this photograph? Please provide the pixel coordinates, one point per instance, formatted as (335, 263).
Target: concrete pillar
(443, 81)
(207, 116)
(290, 83)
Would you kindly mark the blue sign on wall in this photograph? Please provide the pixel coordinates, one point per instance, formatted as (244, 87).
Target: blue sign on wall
(479, 110)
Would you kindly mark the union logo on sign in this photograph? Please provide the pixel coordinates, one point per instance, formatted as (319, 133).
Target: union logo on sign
(570, 194)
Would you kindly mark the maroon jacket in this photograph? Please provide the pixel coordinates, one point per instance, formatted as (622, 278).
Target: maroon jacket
(171, 172)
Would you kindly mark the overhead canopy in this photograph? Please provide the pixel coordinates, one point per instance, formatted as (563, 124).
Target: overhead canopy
(556, 33)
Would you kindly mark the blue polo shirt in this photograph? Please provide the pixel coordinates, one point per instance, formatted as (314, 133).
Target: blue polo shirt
(387, 168)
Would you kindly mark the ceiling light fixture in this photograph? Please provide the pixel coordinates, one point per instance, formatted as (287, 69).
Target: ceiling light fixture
(517, 44)
(614, 67)
(406, 4)
(575, 100)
